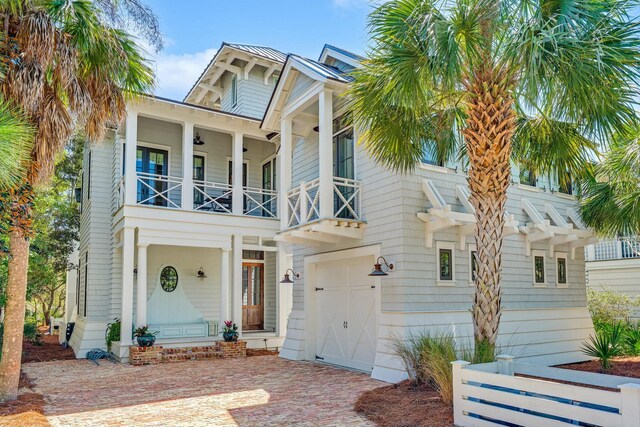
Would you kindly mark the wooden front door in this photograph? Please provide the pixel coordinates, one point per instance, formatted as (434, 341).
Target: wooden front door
(252, 296)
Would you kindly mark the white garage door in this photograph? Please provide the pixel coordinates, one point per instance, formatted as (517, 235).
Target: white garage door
(346, 321)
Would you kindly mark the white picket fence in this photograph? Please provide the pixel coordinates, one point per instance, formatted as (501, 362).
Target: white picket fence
(503, 393)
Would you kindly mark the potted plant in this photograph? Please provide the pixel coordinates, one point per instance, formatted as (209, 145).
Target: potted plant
(144, 336)
(230, 331)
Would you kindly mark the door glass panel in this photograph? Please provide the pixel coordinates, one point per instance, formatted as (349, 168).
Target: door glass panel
(245, 285)
(154, 162)
(255, 286)
(343, 168)
(198, 175)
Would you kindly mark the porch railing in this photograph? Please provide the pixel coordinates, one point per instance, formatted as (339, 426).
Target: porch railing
(120, 192)
(620, 248)
(159, 190)
(303, 201)
(212, 197)
(260, 202)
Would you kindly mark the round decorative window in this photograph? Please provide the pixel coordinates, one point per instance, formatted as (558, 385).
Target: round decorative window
(169, 279)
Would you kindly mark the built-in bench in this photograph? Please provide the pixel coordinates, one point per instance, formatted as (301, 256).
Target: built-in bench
(181, 330)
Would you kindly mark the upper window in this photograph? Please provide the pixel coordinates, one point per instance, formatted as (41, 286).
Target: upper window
(446, 263)
(169, 279)
(561, 269)
(527, 177)
(539, 276)
(234, 90)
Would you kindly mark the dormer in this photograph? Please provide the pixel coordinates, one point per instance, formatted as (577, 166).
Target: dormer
(338, 58)
(239, 79)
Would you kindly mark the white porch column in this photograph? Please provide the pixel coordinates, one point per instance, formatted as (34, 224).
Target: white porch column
(187, 165)
(131, 140)
(238, 200)
(236, 310)
(284, 169)
(126, 317)
(326, 153)
(141, 294)
(225, 281)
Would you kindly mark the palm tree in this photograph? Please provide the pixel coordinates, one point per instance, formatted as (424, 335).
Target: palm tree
(15, 142)
(538, 82)
(69, 71)
(611, 196)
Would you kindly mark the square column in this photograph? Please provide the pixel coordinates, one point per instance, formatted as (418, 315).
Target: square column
(238, 199)
(236, 310)
(225, 285)
(187, 166)
(141, 294)
(284, 170)
(126, 317)
(325, 153)
(131, 143)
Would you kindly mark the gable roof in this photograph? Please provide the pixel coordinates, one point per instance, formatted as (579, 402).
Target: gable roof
(328, 47)
(322, 70)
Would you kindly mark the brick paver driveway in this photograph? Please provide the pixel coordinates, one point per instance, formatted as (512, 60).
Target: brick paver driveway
(257, 391)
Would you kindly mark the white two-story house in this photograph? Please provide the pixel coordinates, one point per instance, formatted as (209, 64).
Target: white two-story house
(194, 211)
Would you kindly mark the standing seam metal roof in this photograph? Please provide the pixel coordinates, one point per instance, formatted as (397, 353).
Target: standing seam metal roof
(323, 69)
(263, 51)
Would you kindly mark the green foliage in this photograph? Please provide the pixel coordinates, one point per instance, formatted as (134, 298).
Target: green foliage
(30, 331)
(142, 331)
(632, 341)
(15, 144)
(605, 345)
(112, 333)
(427, 358)
(608, 307)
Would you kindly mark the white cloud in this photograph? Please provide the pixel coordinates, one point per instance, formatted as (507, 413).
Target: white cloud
(176, 73)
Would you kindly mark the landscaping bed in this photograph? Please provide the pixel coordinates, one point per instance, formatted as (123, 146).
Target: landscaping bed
(405, 405)
(48, 351)
(27, 410)
(621, 366)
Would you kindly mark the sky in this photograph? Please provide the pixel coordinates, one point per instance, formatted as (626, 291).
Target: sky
(194, 30)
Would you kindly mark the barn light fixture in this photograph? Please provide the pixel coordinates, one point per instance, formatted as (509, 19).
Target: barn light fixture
(377, 268)
(201, 274)
(287, 279)
(197, 140)
(316, 129)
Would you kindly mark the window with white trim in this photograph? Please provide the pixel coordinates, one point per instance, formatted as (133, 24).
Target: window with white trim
(562, 270)
(234, 90)
(446, 262)
(473, 264)
(539, 268)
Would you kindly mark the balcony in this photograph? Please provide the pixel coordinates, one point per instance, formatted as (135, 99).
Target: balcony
(213, 197)
(616, 249)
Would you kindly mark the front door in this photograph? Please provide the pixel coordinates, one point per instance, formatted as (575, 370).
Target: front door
(252, 296)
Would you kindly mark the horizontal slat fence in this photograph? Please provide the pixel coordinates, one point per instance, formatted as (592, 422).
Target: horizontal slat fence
(505, 393)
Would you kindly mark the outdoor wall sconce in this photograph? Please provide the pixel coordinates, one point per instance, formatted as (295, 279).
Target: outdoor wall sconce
(197, 140)
(201, 274)
(287, 279)
(377, 268)
(135, 272)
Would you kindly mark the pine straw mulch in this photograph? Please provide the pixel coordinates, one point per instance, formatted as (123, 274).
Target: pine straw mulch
(50, 350)
(404, 405)
(27, 410)
(622, 366)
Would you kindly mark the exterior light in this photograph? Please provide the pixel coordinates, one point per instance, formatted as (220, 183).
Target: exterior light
(201, 274)
(197, 140)
(377, 268)
(287, 278)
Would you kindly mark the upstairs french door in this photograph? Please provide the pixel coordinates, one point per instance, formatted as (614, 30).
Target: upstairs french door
(151, 163)
(198, 175)
(343, 167)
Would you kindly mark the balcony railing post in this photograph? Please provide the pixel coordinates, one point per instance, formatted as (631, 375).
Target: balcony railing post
(304, 200)
(238, 202)
(187, 166)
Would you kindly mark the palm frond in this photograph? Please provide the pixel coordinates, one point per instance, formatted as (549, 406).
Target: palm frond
(15, 145)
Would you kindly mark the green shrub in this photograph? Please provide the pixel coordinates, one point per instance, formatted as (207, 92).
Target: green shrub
(608, 307)
(631, 340)
(427, 358)
(112, 333)
(605, 345)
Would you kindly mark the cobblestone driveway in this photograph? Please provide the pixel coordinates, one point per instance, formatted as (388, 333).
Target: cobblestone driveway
(257, 391)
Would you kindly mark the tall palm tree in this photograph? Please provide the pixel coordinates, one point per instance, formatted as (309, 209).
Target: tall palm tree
(15, 142)
(69, 71)
(536, 81)
(610, 201)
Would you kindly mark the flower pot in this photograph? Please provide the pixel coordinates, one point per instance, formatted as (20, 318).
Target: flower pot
(230, 336)
(146, 341)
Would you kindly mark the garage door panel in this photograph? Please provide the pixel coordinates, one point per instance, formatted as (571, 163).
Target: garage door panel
(358, 271)
(332, 275)
(362, 326)
(332, 310)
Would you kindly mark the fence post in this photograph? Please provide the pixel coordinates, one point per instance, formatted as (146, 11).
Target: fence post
(630, 404)
(505, 364)
(458, 414)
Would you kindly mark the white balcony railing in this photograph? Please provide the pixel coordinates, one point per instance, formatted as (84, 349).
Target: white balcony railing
(620, 248)
(304, 201)
(212, 197)
(120, 192)
(260, 202)
(159, 190)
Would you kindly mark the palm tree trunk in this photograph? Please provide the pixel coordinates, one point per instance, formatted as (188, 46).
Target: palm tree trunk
(14, 316)
(490, 125)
